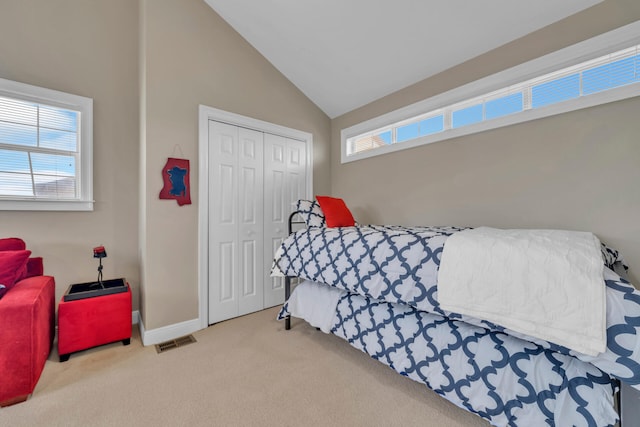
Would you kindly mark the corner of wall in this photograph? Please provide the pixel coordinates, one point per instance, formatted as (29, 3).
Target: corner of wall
(142, 100)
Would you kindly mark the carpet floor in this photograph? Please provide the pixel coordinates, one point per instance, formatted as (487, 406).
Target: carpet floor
(246, 371)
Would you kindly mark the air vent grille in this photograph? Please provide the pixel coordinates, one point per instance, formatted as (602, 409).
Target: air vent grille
(178, 342)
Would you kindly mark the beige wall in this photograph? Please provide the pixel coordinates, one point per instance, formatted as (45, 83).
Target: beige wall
(192, 57)
(87, 48)
(147, 65)
(576, 171)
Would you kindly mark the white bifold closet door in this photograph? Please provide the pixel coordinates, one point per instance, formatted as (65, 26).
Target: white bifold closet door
(254, 179)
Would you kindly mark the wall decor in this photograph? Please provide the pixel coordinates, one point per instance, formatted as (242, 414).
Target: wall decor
(175, 176)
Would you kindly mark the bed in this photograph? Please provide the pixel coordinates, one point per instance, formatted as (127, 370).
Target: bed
(376, 287)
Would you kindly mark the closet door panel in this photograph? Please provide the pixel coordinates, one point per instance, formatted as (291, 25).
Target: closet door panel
(285, 181)
(223, 222)
(251, 226)
(296, 170)
(278, 205)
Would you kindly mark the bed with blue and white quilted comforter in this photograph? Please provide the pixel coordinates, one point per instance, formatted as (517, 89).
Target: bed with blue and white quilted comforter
(388, 307)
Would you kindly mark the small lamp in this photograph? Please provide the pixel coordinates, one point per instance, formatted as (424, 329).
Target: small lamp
(99, 252)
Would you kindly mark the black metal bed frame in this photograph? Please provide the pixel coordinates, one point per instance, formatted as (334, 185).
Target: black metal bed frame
(287, 279)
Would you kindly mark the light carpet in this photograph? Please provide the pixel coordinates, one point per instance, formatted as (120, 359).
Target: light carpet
(246, 371)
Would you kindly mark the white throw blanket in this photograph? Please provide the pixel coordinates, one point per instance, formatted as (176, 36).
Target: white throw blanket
(544, 283)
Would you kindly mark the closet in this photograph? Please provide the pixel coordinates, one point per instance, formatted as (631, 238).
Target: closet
(254, 178)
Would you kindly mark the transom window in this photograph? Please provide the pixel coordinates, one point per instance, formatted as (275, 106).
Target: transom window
(607, 77)
(45, 149)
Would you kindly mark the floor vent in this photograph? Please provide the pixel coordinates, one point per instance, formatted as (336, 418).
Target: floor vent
(178, 342)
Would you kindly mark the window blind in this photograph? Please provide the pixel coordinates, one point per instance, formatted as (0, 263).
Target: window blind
(39, 151)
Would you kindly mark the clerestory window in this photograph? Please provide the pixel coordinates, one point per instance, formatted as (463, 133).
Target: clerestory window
(600, 70)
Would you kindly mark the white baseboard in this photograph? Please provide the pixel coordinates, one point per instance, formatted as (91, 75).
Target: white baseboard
(167, 333)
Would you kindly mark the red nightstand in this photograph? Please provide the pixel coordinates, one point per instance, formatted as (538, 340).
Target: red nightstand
(90, 322)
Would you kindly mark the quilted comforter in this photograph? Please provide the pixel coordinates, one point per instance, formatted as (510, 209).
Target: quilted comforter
(546, 284)
(397, 264)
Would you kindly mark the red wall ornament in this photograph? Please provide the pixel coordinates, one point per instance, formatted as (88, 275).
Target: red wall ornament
(175, 176)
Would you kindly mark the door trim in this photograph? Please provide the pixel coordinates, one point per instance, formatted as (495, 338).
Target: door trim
(205, 114)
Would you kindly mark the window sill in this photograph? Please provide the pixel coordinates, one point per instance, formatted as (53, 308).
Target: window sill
(46, 205)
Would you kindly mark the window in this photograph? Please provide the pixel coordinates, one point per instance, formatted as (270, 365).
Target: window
(45, 149)
(563, 81)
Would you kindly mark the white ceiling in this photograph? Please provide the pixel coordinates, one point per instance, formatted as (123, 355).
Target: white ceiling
(343, 54)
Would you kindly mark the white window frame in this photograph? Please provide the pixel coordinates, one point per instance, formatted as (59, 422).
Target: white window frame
(84, 177)
(612, 41)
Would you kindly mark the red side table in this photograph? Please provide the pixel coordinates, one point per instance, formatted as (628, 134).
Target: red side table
(90, 322)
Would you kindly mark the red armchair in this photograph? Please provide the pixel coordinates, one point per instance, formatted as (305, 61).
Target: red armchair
(27, 310)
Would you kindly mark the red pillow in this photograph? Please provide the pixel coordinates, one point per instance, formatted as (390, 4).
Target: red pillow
(13, 265)
(12, 244)
(336, 212)
(35, 267)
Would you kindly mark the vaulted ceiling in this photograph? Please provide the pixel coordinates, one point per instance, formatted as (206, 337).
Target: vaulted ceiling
(343, 54)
